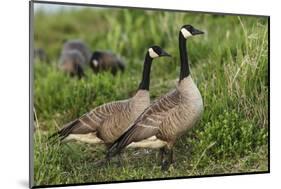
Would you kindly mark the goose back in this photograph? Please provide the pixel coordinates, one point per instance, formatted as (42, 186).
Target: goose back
(102, 61)
(72, 62)
(114, 127)
(79, 46)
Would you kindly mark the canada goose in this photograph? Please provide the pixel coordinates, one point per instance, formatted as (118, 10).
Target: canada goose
(80, 46)
(73, 63)
(74, 57)
(106, 123)
(102, 60)
(170, 116)
(97, 60)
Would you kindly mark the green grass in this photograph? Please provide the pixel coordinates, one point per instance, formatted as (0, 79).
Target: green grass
(229, 64)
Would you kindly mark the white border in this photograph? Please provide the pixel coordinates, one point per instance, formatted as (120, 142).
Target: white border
(14, 92)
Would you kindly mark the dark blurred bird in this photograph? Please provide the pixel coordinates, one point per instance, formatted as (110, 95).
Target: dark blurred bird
(80, 46)
(76, 55)
(73, 63)
(102, 61)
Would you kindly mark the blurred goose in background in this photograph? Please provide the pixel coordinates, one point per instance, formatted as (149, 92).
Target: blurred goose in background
(107, 122)
(76, 55)
(80, 46)
(170, 116)
(73, 63)
(102, 61)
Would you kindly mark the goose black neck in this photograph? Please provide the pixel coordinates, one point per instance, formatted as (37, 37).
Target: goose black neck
(184, 69)
(146, 73)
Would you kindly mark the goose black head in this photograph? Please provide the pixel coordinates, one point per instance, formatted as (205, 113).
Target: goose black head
(189, 30)
(94, 60)
(156, 51)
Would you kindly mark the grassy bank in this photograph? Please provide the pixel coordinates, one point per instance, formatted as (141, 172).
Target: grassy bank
(229, 63)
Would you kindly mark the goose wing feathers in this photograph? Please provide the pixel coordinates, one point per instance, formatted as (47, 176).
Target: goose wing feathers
(109, 111)
(149, 122)
(92, 120)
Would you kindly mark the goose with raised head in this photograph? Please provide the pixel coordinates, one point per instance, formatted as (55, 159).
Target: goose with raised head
(106, 123)
(170, 116)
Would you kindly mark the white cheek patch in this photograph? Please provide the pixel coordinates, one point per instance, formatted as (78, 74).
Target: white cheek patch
(185, 33)
(95, 63)
(152, 53)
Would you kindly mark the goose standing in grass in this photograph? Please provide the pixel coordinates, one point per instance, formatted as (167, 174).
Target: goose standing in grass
(102, 60)
(73, 63)
(74, 57)
(80, 46)
(170, 116)
(106, 123)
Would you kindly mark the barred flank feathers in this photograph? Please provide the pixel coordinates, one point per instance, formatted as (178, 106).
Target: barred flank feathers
(78, 126)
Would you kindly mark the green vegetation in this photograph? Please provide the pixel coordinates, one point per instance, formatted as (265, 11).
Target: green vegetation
(229, 63)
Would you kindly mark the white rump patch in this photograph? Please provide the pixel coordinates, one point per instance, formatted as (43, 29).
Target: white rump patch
(152, 53)
(90, 138)
(151, 142)
(95, 63)
(185, 33)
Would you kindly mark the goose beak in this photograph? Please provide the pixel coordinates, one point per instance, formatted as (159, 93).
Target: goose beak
(197, 32)
(164, 53)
